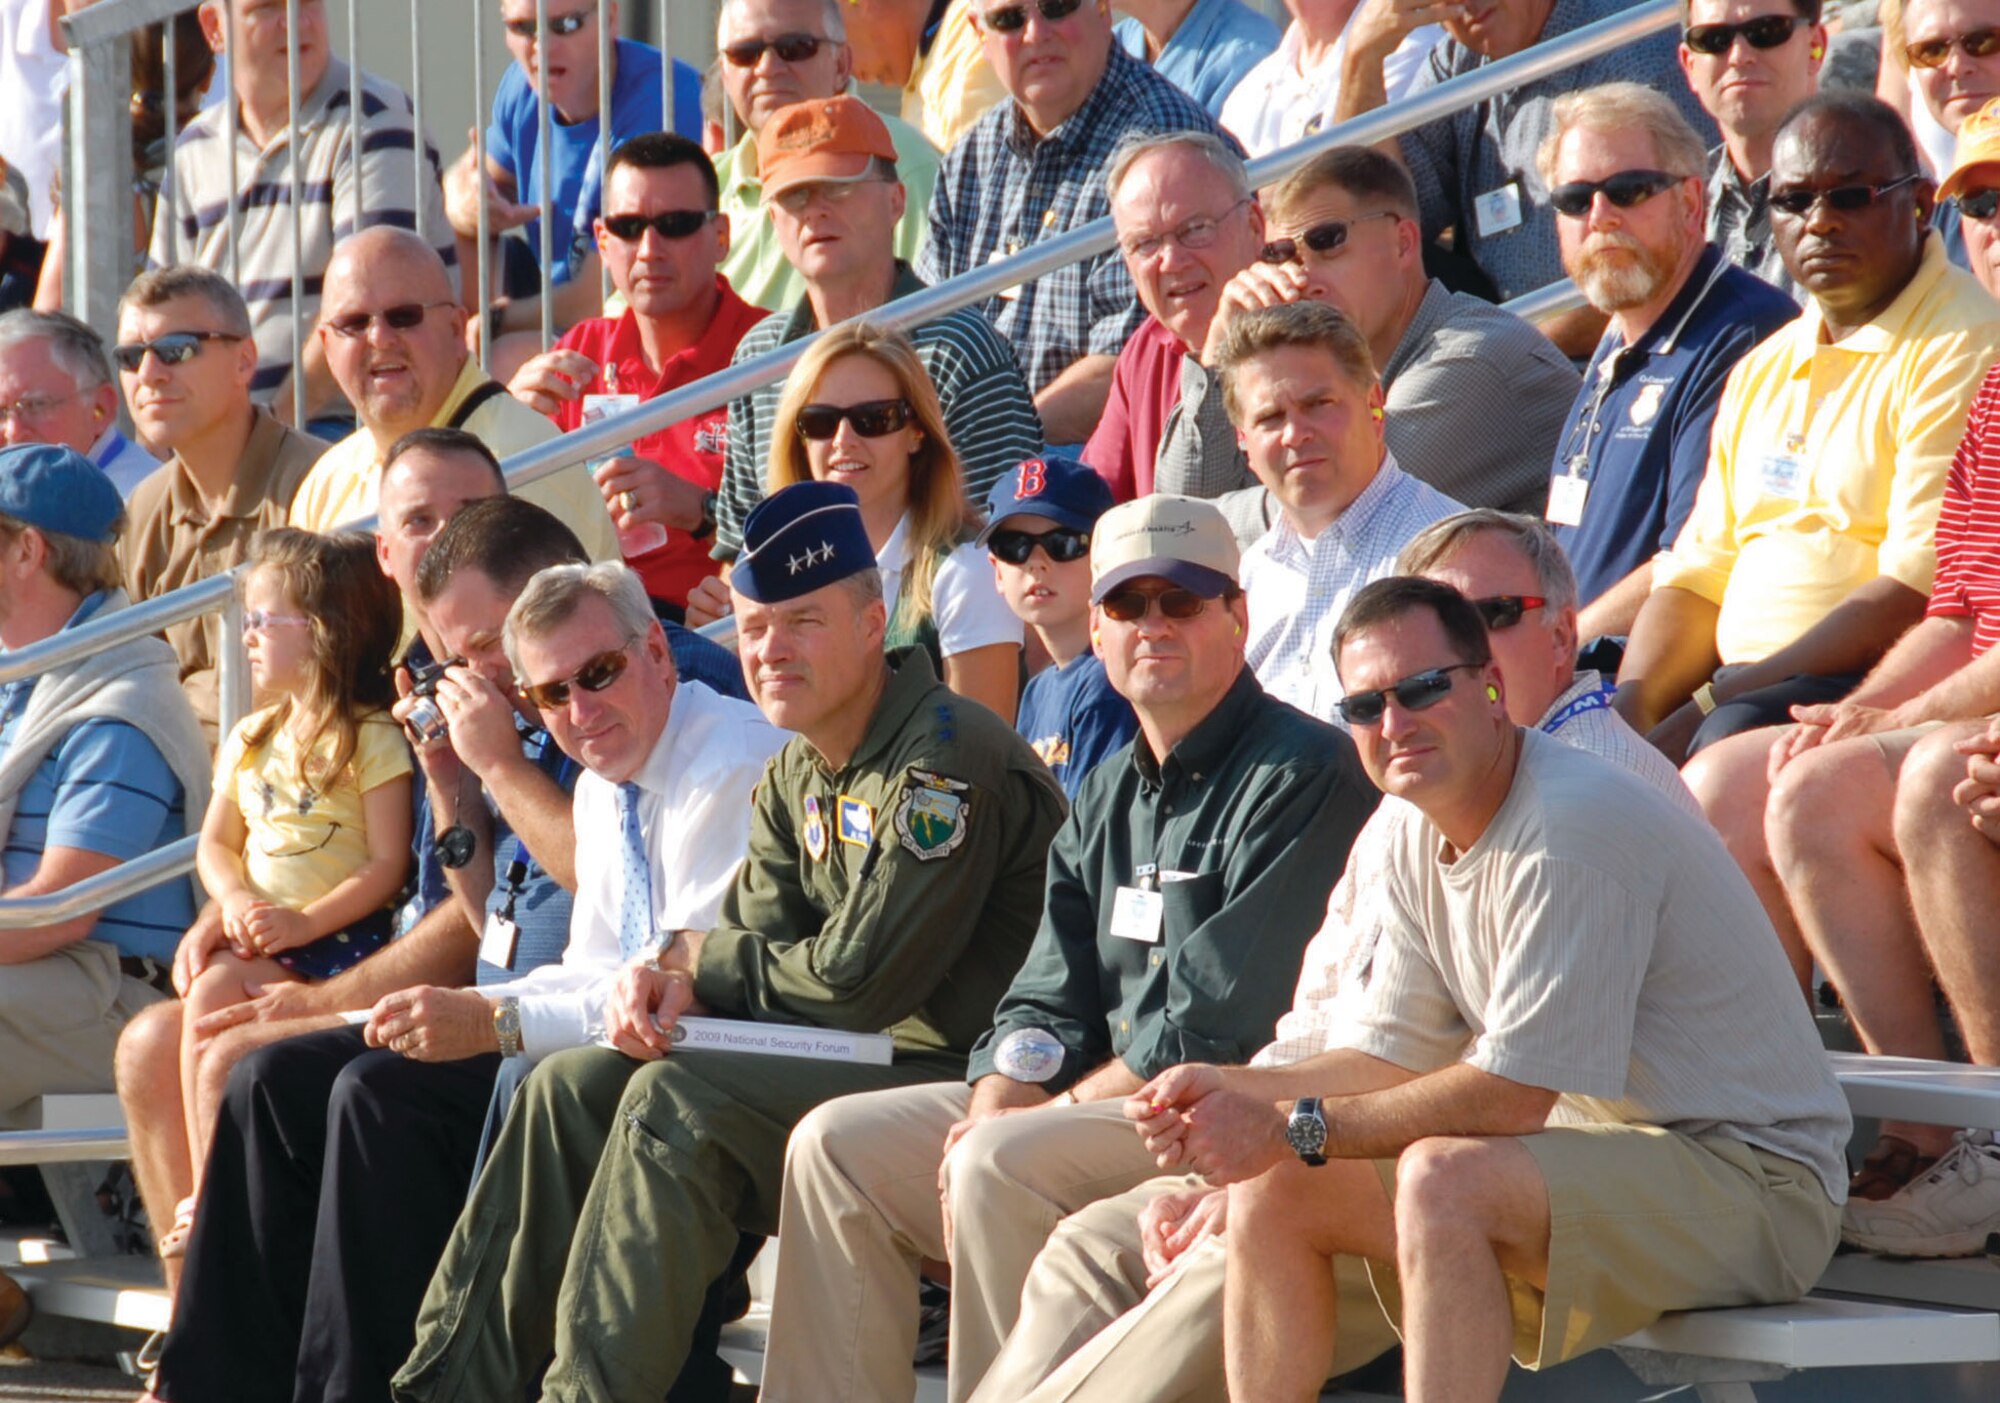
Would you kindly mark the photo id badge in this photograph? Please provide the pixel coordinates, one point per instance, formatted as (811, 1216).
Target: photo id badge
(597, 407)
(1136, 915)
(1782, 475)
(1567, 494)
(1498, 210)
(496, 944)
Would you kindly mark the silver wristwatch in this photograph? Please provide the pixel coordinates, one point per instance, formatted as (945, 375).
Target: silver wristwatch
(661, 944)
(507, 1026)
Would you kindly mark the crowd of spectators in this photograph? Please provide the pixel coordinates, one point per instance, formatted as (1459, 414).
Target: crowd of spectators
(1181, 715)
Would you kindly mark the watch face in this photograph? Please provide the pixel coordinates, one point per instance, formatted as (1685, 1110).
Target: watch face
(1306, 1133)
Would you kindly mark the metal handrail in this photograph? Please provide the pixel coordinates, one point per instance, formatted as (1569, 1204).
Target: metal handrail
(107, 888)
(113, 18)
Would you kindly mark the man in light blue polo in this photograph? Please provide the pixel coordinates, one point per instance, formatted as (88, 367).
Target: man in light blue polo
(101, 761)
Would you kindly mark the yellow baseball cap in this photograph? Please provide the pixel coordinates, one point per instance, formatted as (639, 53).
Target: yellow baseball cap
(1978, 145)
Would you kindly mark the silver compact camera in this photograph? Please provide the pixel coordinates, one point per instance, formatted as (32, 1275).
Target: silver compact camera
(425, 721)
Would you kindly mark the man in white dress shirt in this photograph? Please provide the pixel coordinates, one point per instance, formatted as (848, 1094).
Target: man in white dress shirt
(1300, 387)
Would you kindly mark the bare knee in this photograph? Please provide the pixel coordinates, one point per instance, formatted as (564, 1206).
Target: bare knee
(148, 1056)
(1809, 810)
(1729, 781)
(1439, 1190)
(1925, 810)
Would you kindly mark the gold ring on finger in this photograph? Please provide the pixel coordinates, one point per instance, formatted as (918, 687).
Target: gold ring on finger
(627, 501)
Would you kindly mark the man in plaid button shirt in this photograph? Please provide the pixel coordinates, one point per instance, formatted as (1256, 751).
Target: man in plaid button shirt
(1032, 168)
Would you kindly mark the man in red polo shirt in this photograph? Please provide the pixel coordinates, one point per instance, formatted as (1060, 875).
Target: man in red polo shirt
(662, 237)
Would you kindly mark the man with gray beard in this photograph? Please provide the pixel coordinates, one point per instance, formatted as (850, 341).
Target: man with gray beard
(1625, 173)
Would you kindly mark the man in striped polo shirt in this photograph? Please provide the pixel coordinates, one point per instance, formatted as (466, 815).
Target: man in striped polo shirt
(392, 179)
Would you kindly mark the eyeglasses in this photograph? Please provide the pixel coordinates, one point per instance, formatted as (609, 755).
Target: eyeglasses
(1321, 238)
(401, 317)
(1420, 691)
(559, 25)
(1845, 198)
(34, 408)
(790, 48)
(258, 621)
(873, 419)
(1503, 611)
(594, 676)
(175, 348)
(1931, 53)
(1196, 233)
(1010, 19)
(1763, 32)
(1128, 606)
(1061, 545)
(1979, 204)
(793, 199)
(1624, 189)
(668, 224)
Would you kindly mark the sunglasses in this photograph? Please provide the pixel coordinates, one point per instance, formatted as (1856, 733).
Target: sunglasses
(175, 348)
(259, 621)
(1979, 204)
(1128, 606)
(1196, 233)
(1931, 53)
(872, 419)
(1010, 19)
(402, 317)
(1503, 611)
(559, 25)
(1061, 545)
(790, 48)
(1763, 32)
(669, 224)
(1845, 198)
(1624, 189)
(594, 676)
(1321, 238)
(1420, 691)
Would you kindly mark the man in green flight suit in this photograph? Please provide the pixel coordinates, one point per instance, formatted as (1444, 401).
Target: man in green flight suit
(893, 883)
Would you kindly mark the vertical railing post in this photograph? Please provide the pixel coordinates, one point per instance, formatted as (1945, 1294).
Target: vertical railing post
(97, 189)
(483, 258)
(667, 69)
(356, 138)
(544, 117)
(170, 79)
(296, 197)
(418, 140)
(605, 136)
(232, 132)
(232, 667)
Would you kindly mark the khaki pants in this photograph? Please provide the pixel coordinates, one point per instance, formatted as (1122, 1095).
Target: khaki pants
(861, 1212)
(60, 1017)
(1090, 1332)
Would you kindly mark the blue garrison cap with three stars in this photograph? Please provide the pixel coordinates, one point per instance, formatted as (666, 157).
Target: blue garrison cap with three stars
(799, 539)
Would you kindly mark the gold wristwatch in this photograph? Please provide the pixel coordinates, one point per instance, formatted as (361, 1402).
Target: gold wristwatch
(507, 1026)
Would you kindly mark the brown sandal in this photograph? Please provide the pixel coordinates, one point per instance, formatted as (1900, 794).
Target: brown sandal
(1893, 1163)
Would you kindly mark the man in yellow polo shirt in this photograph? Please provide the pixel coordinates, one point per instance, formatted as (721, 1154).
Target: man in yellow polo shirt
(395, 340)
(930, 49)
(1810, 547)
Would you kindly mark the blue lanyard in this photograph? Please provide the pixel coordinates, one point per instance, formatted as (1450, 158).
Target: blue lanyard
(1598, 700)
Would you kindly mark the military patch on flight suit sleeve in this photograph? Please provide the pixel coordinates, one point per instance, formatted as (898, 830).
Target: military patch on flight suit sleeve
(931, 821)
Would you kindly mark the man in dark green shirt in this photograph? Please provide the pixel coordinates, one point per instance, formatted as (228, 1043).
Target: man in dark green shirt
(893, 882)
(1181, 895)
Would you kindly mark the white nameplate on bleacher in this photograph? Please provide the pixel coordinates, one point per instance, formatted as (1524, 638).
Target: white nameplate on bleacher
(782, 1040)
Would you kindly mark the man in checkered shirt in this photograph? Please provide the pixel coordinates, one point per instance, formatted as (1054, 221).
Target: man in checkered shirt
(1032, 168)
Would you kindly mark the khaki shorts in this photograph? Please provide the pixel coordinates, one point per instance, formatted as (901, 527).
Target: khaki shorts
(1643, 1221)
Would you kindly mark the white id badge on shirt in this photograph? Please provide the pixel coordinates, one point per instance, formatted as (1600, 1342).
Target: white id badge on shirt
(1136, 915)
(1782, 475)
(496, 943)
(1567, 494)
(597, 407)
(1007, 294)
(1498, 210)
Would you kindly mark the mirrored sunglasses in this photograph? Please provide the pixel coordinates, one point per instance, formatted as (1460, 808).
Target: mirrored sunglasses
(559, 25)
(872, 419)
(1624, 189)
(594, 676)
(175, 348)
(1420, 691)
(1061, 545)
(1931, 53)
(1979, 204)
(1324, 237)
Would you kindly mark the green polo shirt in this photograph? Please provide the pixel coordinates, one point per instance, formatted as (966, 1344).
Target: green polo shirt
(897, 893)
(756, 265)
(1231, 845)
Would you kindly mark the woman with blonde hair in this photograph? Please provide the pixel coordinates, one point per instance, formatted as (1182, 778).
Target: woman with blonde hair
(860, 409)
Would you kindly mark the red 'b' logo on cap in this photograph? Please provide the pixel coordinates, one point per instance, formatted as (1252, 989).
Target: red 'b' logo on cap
(1034, 478)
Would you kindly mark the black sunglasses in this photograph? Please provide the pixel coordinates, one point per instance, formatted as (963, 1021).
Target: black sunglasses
(1931, 53)
(872, 419)
(1321, 238)
(790, 48)
(1979, 204)
(175, 348)
(594, 676)
(1503, 611)
(559, 25)
(402, 317)
(1062, 545)
(669, 224)
(1763, 32)
(1010, 18)
(1128, 606)
(1420, 691)
(1624, 189)
(1845, 198)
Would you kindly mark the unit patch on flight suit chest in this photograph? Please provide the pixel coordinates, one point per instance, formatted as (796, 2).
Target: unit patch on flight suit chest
(931, 821)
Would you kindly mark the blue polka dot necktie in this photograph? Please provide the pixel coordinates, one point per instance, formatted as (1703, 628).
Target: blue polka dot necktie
(635, 905)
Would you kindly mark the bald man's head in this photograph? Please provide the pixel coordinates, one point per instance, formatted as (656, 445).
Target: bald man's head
(392, 329)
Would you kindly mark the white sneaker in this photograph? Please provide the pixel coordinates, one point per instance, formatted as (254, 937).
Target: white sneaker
(1948, 1211)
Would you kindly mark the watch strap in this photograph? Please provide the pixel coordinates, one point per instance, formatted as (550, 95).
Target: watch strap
(507, 1026)
(1705, 700)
